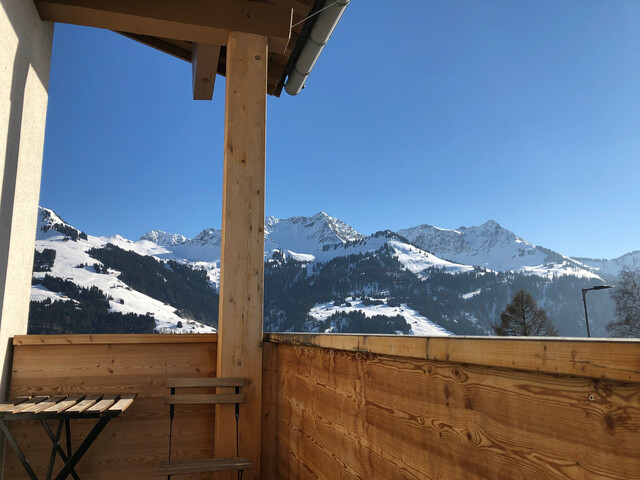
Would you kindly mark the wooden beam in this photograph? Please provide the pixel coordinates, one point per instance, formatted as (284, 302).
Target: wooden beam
(606, 359)
(161, 45)
(206, 21)
(204, 66)
(242, 269)
(110, 339)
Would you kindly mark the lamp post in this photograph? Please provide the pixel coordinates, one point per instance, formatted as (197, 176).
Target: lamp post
(584, 300)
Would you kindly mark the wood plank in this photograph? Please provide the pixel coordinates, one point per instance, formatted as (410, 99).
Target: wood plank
(242, 262)
(205, 382)
(268, 454)
(607, 359)
(202, 399)
(109, 339)
(354, 415)
(9, 404)
(88, 402)
(65, 404)
(125, 402)
(161, 44)
(21, 407)
(182, 467)
(206, 21)
(40, 406)
(204, 67)
(103, 404)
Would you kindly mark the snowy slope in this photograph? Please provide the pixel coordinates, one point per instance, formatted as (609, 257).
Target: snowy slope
(612, 268)
(420, 325)
(494, 247)
(72, 262)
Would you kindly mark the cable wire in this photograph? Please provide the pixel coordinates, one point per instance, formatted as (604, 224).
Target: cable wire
(315, 13)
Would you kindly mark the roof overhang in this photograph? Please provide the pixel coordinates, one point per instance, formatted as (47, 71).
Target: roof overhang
(196, 31)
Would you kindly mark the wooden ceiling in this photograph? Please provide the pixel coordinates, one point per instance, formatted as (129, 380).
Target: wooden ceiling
(82, 12)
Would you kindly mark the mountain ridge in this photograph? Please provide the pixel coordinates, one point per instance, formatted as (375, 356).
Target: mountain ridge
(419, 274)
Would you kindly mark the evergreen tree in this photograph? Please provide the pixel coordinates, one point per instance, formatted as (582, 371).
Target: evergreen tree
(522, 317)
(627, 300)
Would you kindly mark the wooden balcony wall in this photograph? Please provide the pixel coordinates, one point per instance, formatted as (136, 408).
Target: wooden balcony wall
(132, 445)
(372, 407)
(360, 407)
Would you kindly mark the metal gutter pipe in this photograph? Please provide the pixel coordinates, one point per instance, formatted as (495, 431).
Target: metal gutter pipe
(322, 29)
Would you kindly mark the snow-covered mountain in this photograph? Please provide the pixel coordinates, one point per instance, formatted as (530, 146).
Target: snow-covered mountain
(307, 235)
(612, 268)
(164, 239)
(321, 274)
(496, 248)
(74, 263)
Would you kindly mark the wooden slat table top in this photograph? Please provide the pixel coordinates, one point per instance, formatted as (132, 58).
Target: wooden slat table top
(125, 402)
(103, 404)
(65, 404)
(84, 404)
(25, 405)
(9, 404)
(45, 404)
(76, 406)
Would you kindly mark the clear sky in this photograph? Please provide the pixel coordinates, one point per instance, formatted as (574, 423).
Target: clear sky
(426, 111)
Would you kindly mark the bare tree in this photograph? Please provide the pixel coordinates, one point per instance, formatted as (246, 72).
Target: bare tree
(522, 317)
(626, 296)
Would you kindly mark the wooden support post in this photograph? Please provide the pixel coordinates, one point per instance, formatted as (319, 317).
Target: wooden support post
(242, 269)
(204, 67)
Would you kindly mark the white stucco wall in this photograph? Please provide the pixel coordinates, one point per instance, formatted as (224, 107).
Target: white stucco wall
(25, 57)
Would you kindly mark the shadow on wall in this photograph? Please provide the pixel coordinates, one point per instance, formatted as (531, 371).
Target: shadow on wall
(25, 54)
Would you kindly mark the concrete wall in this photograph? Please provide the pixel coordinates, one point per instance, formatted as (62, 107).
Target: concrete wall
(25, 57)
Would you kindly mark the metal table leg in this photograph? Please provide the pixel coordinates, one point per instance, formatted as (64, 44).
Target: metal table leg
(56, 442)
(16, 448)
(57, 446)
(84, 446)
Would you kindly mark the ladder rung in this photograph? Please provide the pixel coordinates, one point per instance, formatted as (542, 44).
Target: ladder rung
(177, 467)
(201, 399)
(204, 382)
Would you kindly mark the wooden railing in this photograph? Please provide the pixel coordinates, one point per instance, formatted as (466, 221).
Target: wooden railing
(353, 406)
(360, 406)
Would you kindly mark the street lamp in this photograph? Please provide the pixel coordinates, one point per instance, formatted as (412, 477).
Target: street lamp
(584, 300)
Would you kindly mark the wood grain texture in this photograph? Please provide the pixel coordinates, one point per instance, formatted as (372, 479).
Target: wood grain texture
(180, 467)
(606, 359)
(353, 415)
(108, 339)
(204, 21)
(269, 411)
(203, 398)
(204, 67)
(242, 253)
(133, 444)
(205, 382)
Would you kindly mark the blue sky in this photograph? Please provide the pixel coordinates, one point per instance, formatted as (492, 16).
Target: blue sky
(443, 112)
